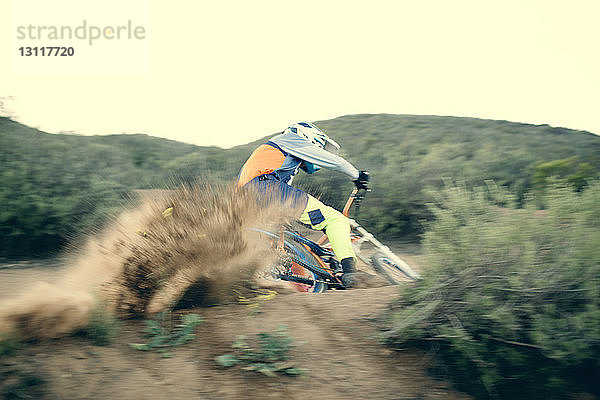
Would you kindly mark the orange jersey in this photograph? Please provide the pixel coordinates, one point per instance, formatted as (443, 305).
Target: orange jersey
(264, 160)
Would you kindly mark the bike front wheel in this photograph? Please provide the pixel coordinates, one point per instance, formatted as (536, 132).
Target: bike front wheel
(389, 269)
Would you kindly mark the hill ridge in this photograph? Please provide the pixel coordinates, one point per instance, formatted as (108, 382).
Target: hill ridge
(56, 186)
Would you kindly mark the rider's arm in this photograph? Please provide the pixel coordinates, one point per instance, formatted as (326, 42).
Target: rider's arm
(300, 148)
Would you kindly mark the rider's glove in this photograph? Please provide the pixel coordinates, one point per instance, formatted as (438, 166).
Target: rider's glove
(362, 180)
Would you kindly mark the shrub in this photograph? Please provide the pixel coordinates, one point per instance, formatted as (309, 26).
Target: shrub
(511, 300)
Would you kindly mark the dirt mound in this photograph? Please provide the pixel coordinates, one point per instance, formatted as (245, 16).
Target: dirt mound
(193, 237)
(335, 336)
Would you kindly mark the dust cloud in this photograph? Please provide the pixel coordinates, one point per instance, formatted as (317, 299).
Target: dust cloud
(193, 240)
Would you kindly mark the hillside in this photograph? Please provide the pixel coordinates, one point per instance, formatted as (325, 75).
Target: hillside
(409, 155)
(56, 186)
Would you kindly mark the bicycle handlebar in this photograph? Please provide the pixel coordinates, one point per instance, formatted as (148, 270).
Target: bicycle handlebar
(355, 198)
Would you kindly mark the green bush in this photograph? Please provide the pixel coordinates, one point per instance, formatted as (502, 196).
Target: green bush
(512, 298)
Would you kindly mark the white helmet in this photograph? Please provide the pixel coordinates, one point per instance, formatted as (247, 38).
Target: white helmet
(310, 132)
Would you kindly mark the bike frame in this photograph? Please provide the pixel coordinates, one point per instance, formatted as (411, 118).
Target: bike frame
(368, 237)
(359, 236)
(363, 236)
(308, 244)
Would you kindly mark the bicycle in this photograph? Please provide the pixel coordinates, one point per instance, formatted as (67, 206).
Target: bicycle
(311, 266)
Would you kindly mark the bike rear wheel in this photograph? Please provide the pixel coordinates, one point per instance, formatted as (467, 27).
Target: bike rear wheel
(300, 254)
(290, 269)
(394, 273)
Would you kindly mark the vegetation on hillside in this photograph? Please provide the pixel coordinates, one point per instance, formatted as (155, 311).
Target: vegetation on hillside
(511, 301)
(409, 156)
(54, 187)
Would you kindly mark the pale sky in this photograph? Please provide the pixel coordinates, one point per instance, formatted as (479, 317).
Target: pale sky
(229, 72)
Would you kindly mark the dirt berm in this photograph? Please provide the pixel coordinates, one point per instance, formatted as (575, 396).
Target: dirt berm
(143, 263)
(336, 342)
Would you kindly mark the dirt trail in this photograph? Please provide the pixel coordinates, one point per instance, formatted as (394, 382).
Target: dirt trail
(145, 262)
(16, 276)
(335, 333)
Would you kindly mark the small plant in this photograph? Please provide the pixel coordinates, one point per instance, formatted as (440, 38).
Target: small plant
(271, 358)
(103, 327)
(18, 384)
(162, 334)
(8, 345)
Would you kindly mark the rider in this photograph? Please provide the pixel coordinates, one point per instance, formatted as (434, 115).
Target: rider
(273, 165)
